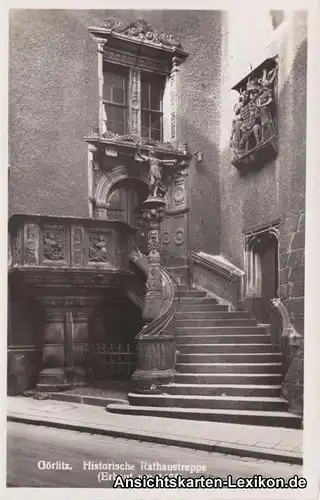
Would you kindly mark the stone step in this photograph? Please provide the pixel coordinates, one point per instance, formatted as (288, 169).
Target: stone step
(229, 367)
(191, 293)
(222, 339)
(263, 357)
(209, 402)
(229, 378)
(264, 418)
(212, 315)
(207, 322)
(198, 300)
(186, 306)
(220, 330)
(223, 389)
(226, 348)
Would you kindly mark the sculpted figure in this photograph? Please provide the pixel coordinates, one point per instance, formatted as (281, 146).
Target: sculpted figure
(156, 188)
(236, 133)
(253, 113)
(263, 104)
(249, 115)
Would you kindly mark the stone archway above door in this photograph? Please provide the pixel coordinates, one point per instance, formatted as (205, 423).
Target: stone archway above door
(107, 185)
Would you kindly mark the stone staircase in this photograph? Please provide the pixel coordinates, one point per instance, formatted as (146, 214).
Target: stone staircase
(227, 369)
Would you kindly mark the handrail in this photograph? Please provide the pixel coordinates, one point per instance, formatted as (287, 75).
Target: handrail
(288, 330)
(158, 325)
(176, 308)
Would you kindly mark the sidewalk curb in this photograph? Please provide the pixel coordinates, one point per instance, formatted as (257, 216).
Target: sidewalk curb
(228, 449)
(83, 399)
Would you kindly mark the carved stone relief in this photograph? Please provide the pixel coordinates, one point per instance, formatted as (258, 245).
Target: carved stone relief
(130, 60)
(31, 241)
(178, 192)
(54, 243)
(16, 247)
(142, 31)
(77, 245)
(179, 237)
(135, 101)
(98, 247)
(254, 122)
(166, 238)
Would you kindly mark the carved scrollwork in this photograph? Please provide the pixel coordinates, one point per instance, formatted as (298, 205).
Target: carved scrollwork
(142, 31)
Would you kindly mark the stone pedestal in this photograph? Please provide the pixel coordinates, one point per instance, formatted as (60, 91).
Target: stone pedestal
(155, 361)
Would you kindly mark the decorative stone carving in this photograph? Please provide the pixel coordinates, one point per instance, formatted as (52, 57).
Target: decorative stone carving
(254, 121)
(31, 255)
(166, 238)
(94, 159)
(16, 247)
(137, 62)
(154, 298)
(77, 245)
(178, 191)
(142, 31)
(135, 101)
(179, 237)
(98, 245)
(173, 95)
(54, 243)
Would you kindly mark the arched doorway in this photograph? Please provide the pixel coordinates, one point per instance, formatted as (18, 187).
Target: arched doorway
(262, 272)
(125, 200)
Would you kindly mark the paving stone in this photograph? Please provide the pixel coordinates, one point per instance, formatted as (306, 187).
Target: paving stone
(285, 447)
(264, 444)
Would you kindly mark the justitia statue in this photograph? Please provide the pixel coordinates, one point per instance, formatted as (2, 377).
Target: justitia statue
(156, 188)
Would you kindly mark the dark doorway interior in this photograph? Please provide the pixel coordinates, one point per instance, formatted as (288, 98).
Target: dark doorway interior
(112, 330)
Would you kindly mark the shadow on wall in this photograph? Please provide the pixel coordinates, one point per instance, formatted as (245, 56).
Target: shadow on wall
(25, 324)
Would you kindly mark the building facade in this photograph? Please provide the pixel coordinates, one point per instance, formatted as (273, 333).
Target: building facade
(189, 109)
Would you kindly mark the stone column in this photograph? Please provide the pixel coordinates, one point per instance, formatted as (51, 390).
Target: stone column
(155, 355)
(154, 297)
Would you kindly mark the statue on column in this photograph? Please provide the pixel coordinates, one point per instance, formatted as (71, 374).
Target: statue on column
(156, 187)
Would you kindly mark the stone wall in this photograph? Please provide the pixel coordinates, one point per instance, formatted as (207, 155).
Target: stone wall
(25, 323)
(292, 268)
(292, 293)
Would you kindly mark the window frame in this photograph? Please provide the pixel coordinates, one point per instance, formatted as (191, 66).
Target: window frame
(149, 79)
(125, 73)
